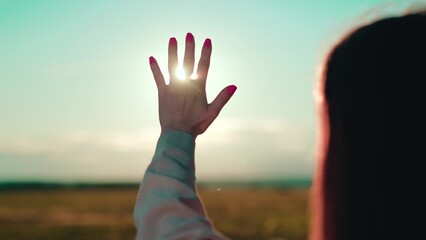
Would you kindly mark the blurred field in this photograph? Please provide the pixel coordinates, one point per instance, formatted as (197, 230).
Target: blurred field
(240, 213)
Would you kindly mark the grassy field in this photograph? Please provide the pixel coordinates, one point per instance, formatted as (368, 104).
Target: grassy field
(99, 213)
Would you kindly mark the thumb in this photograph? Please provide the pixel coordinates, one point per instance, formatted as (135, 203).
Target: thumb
(221, 99)
(216, 106)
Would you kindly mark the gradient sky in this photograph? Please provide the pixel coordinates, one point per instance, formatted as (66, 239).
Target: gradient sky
(78, 101)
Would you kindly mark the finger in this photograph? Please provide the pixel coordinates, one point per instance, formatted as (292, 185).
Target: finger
(204, 63)
(158, 76)
(188, 60)
(173, 59)
(221, 99)
(216, 106)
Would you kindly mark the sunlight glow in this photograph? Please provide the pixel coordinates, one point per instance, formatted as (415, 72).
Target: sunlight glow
(181, 74)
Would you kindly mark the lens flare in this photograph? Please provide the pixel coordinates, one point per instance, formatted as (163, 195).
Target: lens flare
(181, 74)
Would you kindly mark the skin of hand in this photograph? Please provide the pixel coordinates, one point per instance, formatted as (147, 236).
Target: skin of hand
(183, 104)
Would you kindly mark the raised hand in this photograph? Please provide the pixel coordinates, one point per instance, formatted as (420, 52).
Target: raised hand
(183, 104)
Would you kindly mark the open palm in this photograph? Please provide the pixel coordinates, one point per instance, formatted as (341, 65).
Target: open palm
(183, 103)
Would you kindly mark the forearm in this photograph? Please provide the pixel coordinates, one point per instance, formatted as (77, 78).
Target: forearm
(168, 206)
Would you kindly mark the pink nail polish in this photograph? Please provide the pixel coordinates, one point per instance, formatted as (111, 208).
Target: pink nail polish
(151, 60)
(189, 37)
(231, 89)
(172, 41)
(208, 43)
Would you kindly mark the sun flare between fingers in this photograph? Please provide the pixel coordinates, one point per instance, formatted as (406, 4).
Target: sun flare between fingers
(181, 74)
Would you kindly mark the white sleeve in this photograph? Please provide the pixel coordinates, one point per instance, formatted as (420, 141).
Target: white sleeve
(168, 206)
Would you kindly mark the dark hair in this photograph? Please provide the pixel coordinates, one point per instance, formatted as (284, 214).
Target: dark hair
(372, 106)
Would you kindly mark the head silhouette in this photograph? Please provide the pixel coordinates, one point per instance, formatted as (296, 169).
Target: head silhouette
(371, 110)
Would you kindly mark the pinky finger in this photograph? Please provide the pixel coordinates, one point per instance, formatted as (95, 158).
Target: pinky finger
(158, 76)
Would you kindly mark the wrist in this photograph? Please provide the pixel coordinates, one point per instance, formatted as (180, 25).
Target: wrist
(165, 130)
(178, 139)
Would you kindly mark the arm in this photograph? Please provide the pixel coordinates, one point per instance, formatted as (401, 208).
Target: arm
(168, 206)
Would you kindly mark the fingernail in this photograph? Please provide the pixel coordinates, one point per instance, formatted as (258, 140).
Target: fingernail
(208, 43)
(231, 89)
(189, 37)
(151, 60)
(172, 41)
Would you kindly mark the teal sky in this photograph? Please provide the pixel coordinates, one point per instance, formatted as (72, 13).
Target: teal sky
(78, 101)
